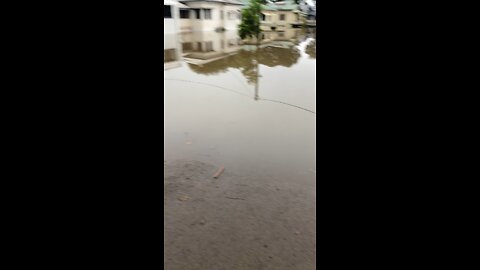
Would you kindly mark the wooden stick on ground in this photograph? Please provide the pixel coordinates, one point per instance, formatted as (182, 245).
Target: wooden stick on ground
(219, 172)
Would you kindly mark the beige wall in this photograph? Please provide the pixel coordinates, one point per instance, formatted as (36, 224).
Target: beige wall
(273, 19)
(186, 24)
(215, 21)
(232, 23)
(172, 25)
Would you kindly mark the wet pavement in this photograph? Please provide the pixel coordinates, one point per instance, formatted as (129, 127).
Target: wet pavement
(251, 110)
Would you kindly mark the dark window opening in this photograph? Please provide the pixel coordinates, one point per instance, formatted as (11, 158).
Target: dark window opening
(282, 17)
(197, 13)
(209, 46)
(184, 14)
(187, 46)
(263, 17)
(167, 12)
(207, 14)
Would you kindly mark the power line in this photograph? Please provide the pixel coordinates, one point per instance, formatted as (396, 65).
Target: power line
(281, 102)
(208, 84)
(271, 100)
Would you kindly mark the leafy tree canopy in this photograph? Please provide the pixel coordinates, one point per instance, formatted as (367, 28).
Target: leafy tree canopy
(250, 25)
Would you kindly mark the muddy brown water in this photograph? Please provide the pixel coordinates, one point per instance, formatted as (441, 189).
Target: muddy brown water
(252, 110)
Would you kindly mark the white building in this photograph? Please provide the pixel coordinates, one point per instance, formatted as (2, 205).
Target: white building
(171, 16)
(201, 15)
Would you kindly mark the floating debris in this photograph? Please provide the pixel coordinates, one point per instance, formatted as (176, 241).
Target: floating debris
(183, 198)
(219, 172)
(233, 198)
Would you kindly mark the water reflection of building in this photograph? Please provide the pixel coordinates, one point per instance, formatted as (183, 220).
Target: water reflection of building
(171, 52)
(204, 47)
(246, 61)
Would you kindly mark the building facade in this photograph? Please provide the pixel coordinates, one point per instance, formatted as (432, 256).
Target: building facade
(201, 15)
(279, 15)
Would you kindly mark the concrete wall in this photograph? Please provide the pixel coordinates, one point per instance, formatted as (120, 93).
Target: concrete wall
(186, 25)
(216, 20)
(172, 25)
(273, 19)
(232, 24)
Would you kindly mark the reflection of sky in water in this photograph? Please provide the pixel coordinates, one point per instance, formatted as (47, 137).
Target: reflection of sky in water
(214, 104)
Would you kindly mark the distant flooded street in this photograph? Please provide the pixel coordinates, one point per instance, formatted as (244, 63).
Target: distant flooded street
(247, 109)
(251, 110)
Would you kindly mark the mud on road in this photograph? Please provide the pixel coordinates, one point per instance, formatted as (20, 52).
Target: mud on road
(236, 221)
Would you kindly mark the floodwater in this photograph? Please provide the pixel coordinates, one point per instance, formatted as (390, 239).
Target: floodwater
(249, 109)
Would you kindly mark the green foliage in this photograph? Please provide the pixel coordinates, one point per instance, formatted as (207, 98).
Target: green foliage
(250, 25)
(311, 49)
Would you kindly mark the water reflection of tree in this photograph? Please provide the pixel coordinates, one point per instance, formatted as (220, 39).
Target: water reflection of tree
(243, 60)
(311, 49)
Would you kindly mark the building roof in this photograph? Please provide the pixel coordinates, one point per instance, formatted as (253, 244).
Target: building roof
(286, 5)
(282, 5)
(231, 2)
(174, 3)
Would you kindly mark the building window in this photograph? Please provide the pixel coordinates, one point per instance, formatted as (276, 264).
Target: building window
(221, 14)
(263, 17)
(232, 15)
(187, 46)
(197, 13)
(282, 17)
(167, 12)
(209, 46)
(184, 14)
(207, 14)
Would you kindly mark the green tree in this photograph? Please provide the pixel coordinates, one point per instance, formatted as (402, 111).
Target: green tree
(250, 25)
